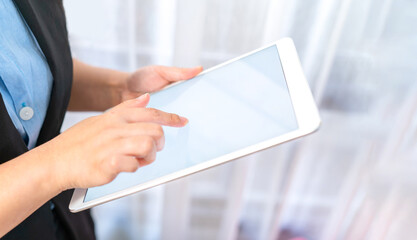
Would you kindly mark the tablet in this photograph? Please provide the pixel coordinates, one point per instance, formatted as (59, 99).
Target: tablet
(240, 107)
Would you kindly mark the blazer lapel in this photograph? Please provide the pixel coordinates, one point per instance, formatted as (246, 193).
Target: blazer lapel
(46, 19)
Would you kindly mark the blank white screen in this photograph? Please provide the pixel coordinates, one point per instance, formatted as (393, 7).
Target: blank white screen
(232, 107)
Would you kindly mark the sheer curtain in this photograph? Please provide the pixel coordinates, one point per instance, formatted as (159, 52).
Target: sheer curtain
(353, 179)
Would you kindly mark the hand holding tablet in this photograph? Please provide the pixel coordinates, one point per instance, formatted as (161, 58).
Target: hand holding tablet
(242, 106)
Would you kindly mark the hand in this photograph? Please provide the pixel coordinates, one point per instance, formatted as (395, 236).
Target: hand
(154, 78)
(96, 150)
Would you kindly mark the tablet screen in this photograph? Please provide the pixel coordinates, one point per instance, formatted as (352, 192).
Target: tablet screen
(237, 105)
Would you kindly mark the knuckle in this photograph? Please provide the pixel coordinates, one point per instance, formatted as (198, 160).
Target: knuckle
(154, 113)
(134, 166)
(161, 144)
(114, 163)
(115, 167)
(112, 112)
(112, 117)
(159, 131)
(147, 145)
(129, 144)
(151, 159)
(108, 178)
(174, 118)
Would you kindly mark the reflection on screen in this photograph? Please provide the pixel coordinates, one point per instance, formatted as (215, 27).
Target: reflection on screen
(232, 107)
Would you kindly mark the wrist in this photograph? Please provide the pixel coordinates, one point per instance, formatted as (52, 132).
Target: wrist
(37, 169)
(117, 81)
(96, 88)
(126, 92)
(53, 176)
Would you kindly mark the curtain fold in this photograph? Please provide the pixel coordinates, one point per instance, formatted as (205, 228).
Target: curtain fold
(353, 179)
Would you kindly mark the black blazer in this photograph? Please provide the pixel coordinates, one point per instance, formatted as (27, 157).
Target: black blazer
(46, 19)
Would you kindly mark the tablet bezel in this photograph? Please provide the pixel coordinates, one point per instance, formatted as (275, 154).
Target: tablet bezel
(304, 108)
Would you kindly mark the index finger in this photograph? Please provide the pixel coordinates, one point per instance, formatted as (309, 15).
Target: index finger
(134, 115)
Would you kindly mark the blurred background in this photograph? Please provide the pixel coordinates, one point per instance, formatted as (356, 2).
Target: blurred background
(356, 178)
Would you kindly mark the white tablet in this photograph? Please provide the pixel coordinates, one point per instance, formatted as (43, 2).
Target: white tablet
(242, 106)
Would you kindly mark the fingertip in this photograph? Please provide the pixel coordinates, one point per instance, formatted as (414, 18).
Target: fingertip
(192, 72)
(198, 69)
(142, 100)
(143, 96)
(179, 124)
(184, 121)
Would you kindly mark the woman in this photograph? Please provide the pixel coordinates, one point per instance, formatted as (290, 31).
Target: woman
(39, 82)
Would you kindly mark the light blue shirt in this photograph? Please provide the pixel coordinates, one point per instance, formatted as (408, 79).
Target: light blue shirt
(25, 77)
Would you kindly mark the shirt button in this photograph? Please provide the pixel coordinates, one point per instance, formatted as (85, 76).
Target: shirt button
(26, 113)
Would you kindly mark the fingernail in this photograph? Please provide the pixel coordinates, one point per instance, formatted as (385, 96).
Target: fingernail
(143, 96)
(184, 120)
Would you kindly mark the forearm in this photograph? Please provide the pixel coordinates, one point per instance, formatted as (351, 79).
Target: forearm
(26, 182)
(98, 89)
(94, 88)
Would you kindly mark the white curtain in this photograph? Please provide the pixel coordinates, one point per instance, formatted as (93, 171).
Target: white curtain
(356, 178)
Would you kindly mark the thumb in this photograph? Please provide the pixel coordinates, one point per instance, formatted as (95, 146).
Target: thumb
(141, 101)
(176, 74)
